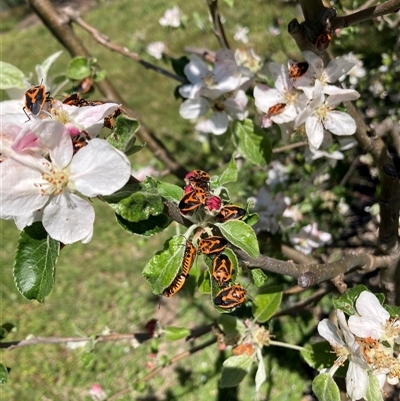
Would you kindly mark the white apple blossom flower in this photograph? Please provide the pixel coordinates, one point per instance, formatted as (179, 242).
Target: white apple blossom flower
(283, 103)
(156, 49)
(345, 346)
(309, 238)
(172, 17)
(269, 209)
(241, 33)
(224, 108)
(36, 188)
(326, 76)
(373, 320)
(226, 76)
(320, 115)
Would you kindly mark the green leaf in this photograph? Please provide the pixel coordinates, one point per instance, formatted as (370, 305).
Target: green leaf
(3, 333)
(173, 333)
(35, 262)
(320, 356)
(11, 76)
(240, 235)
(179, 64)
(78, 69)
(231, 325)
(253, 142)
(123, 137)
(147, 228)
(99, 75)
(251, 219)
(325, 388)
(3, 374)
(164, 266)
(374, 392)
(229, 175)
(393, 310)
(140, 202)
(170, 192)
(234, 370)
(266, 304)
(348, 299)
(203, 282)
(258, 277)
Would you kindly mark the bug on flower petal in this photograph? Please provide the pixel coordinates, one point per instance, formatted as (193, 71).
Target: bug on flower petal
(35, 98)
(298, 69)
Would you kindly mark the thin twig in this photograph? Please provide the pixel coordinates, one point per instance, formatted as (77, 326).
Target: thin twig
(363, 7)
(217, 24)
(105, 41)
(289, 147)
(158, 369)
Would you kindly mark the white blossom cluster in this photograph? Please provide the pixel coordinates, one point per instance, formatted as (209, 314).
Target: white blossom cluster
(42, 171)
(307, 99)
(217, 93)
(368, 340)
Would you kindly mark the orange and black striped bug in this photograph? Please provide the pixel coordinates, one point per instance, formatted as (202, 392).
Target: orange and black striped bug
(222, 269)
(212, 245)
(323, 41)
(35, 98)
(198, 179)
(298, 69)
(109, 121)
(176, 285)
(230, 297)
(74, 99)
(188, 257)
(277, 109)
(192, 200)
(247, 349)
(230, 212)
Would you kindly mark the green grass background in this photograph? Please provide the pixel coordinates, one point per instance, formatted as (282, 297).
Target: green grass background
(100, 285)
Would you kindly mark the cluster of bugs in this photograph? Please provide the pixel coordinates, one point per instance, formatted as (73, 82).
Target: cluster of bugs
(37, 97)
(199, 195)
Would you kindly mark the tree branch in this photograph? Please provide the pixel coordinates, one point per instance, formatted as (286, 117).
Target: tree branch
(217, 24)
(389, 7)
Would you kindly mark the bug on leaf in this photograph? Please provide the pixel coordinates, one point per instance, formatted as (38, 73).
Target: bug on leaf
(230, 297)
(176, 285)
(212, 245)
(192, 200)
(230, 212)
(198, 179)
(188, 257)
(222, 269)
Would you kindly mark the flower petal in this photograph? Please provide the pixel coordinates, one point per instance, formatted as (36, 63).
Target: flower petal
(68, 218)
(314, 131)
(99, 169)
(340, 123)
(194, 108)
(219, 123)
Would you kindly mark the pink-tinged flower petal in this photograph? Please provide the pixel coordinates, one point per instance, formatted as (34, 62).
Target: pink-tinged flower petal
(219, 123)
(356, 381)
(338, 67)
(99, 169)
(26, 142)
(194, 108)
(68, 218)
(314, 131)
(50, 132)
(266, 97)
(19, 194)
(340, 123)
